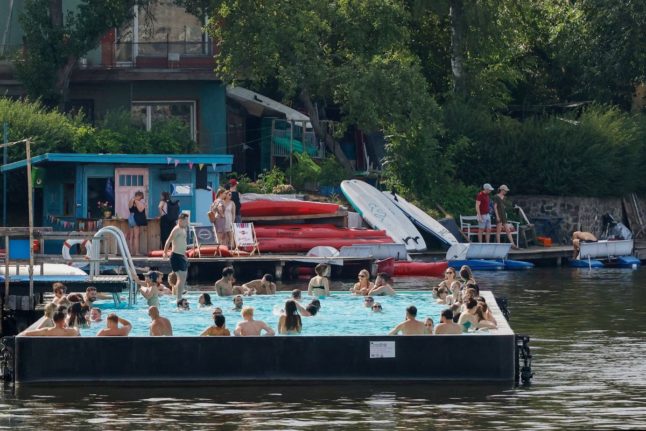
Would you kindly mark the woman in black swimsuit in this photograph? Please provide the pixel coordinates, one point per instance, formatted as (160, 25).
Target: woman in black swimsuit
(137, 208)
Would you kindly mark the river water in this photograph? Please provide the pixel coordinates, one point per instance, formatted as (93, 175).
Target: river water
(588, 331)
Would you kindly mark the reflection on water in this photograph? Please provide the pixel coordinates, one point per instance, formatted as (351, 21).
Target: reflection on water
(588, 340)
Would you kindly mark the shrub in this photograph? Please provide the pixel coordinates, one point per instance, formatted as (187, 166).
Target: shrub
(304, 170)
(331, 172)
(268, 180)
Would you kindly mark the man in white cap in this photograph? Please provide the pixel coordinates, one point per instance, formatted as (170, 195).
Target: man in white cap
(482, 212)
(501, 215)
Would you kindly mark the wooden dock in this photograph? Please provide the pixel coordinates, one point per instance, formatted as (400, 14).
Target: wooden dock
(555, 255)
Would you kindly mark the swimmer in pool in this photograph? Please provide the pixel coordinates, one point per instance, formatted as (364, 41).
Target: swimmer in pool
(319, 284)
(410, 326)
(59, 290)
(113, 329)
(95, 315)
(218, 329)
(368, 301)
(468, 319)
(58, 330)
(237, 303)
(363, 286)
(250, 327)
(382, 285)
(446, 325)
(443, 296)
(224, 286)
(290, 321)
(183, 305)
(159, 326)
(92, 295)
(264, 286)
(150, 289)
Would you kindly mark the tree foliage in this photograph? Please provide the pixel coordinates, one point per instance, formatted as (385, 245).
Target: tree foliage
(55, 40)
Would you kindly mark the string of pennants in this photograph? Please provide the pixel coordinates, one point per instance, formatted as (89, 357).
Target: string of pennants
(73, 225)
(60, 222)
(176, 162)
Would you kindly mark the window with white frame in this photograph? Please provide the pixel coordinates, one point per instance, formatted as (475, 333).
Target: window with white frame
(146, 114)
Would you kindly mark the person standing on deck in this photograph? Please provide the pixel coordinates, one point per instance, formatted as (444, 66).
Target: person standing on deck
(501, 215)
(482, 212)
(235, 197)
(168, 214)
(178, 261)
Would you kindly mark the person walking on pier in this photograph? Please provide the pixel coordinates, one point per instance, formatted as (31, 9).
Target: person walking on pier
(178, 261)
(482, 213)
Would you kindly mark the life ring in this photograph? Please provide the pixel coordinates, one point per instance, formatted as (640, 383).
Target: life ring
(69, 243)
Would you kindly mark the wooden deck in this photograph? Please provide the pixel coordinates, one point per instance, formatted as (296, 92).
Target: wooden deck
(555, 254)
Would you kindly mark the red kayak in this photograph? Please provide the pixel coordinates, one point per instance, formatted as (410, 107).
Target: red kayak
(317, 232)
(301, 245)
(431, 269)
(286, 208)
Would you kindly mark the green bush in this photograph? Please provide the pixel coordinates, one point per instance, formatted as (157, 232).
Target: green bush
(304, 170)
(331, 172)
(268, 180)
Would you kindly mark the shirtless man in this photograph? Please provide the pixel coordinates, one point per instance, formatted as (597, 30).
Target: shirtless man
(237, 303)
(446, 325)
(178, 261)
(382, 285)
(95, 315)
(92, 295)
(112, 328)
(264, 286)
(410, 326)
(59, 292)
(579, 236)
(250, 327)
(224, 286)
(160, 326)
(58, 330)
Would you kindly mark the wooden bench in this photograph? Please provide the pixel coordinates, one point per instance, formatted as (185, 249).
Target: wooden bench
(469, 228)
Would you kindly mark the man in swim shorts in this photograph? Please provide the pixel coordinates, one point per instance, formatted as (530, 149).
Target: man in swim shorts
(482, 212)
(58, 330)
(578, 237)
(178, 261)
(410, 326)
(250, 327)
(113, 329)
(159, 326)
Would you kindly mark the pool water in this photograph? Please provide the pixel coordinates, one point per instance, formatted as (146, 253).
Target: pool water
(340, 314)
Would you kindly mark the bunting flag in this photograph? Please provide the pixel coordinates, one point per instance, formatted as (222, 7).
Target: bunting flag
(59, 222)
(190, 164)
(168, 160)
(201, 165)
(176, 162)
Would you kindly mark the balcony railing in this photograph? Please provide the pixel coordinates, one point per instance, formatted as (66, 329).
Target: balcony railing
(158, 54)
(294, 136)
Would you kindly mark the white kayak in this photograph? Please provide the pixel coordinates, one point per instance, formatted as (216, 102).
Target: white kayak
(421, 219)
(380, 213)
(48, 269)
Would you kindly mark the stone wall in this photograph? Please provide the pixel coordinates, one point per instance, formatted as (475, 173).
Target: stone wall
(577, 213)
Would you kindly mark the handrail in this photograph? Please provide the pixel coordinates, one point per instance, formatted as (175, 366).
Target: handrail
(122, 246)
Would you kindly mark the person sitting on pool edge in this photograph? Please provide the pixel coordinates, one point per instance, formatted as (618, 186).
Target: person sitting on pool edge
(237, 303)
(224, 286)
(159, 326)
(363, 286)
(264, 286)
(218, 329)
(319, 285)
(58, 330)
(446, 325)
(410, 326)
(290, 322)
(112, 328)
(250, 327)
(382, 285)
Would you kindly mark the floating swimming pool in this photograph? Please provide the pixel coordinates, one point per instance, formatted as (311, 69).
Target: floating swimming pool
(340, 314)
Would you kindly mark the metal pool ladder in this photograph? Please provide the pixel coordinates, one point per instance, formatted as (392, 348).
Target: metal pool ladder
(122, 246)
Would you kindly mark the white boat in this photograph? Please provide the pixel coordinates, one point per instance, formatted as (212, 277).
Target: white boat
(422, 220)
(380, 213)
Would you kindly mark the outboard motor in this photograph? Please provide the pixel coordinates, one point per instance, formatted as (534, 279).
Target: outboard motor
(612, 229)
